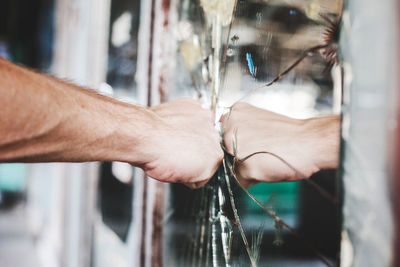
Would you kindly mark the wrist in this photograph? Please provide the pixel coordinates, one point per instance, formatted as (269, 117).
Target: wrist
(127, 132)
(137, 129)
(324, 141)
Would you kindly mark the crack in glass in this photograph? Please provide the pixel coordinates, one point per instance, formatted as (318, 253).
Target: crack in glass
(224, 229)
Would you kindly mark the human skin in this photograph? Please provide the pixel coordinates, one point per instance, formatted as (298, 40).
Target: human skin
(43, 119)
(307, 145)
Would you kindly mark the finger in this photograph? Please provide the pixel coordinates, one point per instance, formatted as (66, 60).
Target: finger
(227, 139)
(212, 171)
(238, 105)
(201, 184)
(189, 185)
(245, 182)
(227, 122)
(223, 118)
(209, 174)
(196, 185)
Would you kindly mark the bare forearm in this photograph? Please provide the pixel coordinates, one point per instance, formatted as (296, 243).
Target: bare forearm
(43, 119)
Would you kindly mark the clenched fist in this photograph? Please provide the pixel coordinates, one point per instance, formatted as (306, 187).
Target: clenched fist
(184, 146)
(295, 148)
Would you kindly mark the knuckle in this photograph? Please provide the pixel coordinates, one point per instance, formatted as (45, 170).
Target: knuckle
(229, 120)
(207, 114)
(192, 101)
(239, 106)
(228, 146)
(228, 135)
(187, 101)
(221, 156)
(223, 118)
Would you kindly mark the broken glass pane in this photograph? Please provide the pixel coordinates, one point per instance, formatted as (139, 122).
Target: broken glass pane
(229, 51)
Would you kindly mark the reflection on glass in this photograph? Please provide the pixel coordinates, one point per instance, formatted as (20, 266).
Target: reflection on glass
(123, 44)
(227, 57)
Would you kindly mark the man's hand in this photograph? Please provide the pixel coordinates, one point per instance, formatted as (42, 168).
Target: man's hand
(307, 145)
(184, 145)
(43, 119)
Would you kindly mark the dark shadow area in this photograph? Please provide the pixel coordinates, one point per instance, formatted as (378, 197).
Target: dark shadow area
(26, 32)
(115, 202)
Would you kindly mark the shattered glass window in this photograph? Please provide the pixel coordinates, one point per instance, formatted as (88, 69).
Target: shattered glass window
(277, 55)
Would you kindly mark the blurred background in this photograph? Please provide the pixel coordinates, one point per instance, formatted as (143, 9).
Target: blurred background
(148, 52)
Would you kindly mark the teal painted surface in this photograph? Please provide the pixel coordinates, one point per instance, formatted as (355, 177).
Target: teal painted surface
(13, 177)
(281, 197)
